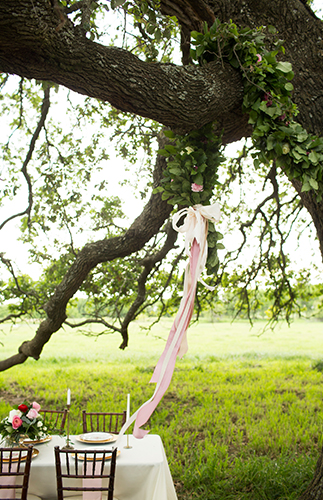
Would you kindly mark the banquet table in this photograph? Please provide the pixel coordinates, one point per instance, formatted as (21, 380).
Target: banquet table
(142, 471)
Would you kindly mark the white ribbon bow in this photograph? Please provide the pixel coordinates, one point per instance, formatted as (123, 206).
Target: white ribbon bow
(196, 226)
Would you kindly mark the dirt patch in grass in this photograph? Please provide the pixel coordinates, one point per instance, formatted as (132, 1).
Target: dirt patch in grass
(13, 395)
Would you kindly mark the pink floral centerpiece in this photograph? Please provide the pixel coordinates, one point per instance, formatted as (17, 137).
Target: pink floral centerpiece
(24, 421)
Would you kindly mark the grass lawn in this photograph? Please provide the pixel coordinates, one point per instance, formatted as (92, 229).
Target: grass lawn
(242, 418)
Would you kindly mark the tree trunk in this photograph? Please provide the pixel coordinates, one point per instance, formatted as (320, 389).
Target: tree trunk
(314, 491)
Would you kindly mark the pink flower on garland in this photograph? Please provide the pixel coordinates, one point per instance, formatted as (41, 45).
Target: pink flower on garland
(16, 422)
(32, 413)
(196, 188)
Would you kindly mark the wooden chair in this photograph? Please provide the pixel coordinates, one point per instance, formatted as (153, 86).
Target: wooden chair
(85, 471)
(14, 473)
(103, 421)
(54, 419)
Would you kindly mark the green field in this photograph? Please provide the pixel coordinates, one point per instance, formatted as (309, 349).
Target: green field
(242, 418)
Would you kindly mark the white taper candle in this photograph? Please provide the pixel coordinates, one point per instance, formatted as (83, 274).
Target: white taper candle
(128, 406)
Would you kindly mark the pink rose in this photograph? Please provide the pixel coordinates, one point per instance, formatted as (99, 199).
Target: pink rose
(259, 58)
(16, 422)
(32, 414)
(12, 414)
(196, 188)
(36, 406)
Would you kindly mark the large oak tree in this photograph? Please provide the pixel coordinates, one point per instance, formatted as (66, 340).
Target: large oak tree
(39, 39)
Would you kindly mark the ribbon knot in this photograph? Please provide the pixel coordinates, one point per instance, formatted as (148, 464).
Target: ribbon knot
(195, 225)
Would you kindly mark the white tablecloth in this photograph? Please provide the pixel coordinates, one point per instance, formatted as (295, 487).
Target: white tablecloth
(142, 472)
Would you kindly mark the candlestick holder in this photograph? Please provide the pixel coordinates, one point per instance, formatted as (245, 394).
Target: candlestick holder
(128, 446)
(68, 445)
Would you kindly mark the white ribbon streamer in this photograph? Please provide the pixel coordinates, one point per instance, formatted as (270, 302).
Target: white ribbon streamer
(195, 225)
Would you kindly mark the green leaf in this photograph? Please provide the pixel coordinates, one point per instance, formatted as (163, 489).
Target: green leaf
(313, 183)
(289, 86)
(158, 35)
(186, 187)
(317, 142)
(163, 152)
(302, 136)
(198, 179)
(313, 157)
(193, 54)
(150, 28)
(199, 50)
(171, 164)
(272, 29)
(273, 111)
(296, 155)
(306, 187)
(285, 67)
(175, 171)
(195, 34)
(117, 3)
(171, 149)
(234, 63)
(158, 189)
(300, 150)
(278, 148)
(169, 133)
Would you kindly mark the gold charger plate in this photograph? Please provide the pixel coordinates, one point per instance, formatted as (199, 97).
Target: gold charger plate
(37, 441)
(80, 456)
(110, 438)
(15, 456)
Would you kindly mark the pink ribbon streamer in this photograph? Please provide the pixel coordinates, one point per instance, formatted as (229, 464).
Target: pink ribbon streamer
(93, 482)
(196, 227)
(8, 481)
(165, 367)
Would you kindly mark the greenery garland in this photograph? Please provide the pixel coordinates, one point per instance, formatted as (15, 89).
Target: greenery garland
(191, 174)
(193, 159)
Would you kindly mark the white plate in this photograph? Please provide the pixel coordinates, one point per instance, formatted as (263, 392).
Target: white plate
(15, 455)
(96, 437)
(80, 456)
(37, 441)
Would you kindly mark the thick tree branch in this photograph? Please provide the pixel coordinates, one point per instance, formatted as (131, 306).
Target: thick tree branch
(143, 228)
(178, 97)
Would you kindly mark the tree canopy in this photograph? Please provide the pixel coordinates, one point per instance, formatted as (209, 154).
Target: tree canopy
(91, 75)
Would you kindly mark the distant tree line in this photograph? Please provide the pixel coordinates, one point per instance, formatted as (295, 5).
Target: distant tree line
(229, 306)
